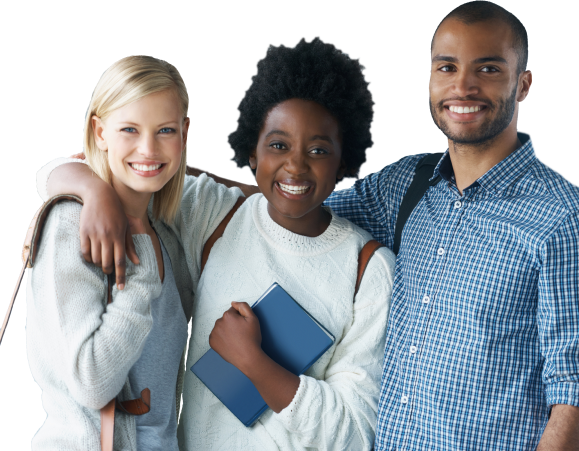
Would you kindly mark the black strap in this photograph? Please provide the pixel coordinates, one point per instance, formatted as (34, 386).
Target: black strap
(420, 184)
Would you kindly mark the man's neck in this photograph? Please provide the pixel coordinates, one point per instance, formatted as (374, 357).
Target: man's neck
(470, 162)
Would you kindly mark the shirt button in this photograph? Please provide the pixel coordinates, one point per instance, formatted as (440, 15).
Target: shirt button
(457, 204)
(426, 299)
(404, 399)
(413, 349)
(440, 251)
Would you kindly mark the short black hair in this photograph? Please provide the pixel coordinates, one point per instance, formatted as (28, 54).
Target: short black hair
(313, 71)
(481, 11)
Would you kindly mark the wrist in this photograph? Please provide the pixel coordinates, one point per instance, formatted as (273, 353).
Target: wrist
(275, 384)
(98, 191)
(254, 363)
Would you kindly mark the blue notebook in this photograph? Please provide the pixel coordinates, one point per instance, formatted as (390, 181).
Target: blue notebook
(289, 335)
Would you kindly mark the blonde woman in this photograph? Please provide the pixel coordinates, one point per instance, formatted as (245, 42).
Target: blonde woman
(83, 352)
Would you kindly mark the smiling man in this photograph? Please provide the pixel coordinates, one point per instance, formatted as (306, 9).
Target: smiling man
(482, 348)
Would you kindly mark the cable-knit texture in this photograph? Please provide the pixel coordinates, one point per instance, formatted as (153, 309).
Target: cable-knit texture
(66, 299)
(336, 402)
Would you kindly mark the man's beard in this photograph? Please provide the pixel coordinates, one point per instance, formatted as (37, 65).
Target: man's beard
(488, 130)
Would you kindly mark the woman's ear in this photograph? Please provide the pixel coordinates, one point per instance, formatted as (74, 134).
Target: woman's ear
(186, 123)
(98, 133)
(253, 161)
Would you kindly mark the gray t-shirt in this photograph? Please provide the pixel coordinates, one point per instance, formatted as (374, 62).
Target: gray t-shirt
(158, 366)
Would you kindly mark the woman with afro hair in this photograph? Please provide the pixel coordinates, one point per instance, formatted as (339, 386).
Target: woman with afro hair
(304, 124)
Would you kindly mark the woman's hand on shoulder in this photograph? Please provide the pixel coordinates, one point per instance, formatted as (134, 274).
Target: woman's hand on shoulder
(105, 233)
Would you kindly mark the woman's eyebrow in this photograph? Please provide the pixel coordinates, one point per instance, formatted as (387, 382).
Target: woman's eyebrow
(277, 132)
(313, 138)
(164, 123)
(322, 138)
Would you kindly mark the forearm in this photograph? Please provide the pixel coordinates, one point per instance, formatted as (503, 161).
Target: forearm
(247, 190)
(77, 179)
(276, 385)
(562, 431)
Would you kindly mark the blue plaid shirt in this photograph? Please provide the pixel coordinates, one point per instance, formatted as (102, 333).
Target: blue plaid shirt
(484, 327)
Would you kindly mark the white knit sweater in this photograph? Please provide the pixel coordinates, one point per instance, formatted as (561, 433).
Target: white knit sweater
(79, 351)
(336, 402)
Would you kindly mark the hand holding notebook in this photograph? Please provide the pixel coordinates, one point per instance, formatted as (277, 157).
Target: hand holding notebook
(258, 353)
(236, 337)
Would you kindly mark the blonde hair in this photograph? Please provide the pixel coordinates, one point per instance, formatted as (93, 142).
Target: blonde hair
(127, 81)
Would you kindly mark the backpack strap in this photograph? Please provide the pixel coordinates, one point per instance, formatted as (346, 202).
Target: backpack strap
(219, 232)
(420, 184)
(30, 247)
(366, 253)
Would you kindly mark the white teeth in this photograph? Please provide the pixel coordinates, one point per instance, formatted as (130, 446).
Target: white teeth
(145, 168)
(292, 189)
(463, 110)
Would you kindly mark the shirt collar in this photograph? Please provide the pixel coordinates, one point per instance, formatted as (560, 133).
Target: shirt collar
(500, 175)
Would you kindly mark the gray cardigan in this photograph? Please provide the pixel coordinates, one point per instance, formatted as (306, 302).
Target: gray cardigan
(79, 349)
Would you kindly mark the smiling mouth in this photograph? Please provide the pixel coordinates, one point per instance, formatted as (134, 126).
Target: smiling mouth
(293, 189)
(466, 109)
(145, 168)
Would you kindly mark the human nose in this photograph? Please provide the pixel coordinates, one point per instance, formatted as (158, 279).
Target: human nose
(296, 163)
(148, 145)
(465, 84)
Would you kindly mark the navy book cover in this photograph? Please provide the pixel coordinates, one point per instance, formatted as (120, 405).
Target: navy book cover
(289, 335)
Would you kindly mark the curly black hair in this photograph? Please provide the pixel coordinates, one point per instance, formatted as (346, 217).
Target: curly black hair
(310, 71)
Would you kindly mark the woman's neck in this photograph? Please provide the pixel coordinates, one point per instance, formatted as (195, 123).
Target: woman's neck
(134, 203)
(312, 224)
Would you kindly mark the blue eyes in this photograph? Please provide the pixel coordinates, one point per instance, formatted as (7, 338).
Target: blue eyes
(164, 130)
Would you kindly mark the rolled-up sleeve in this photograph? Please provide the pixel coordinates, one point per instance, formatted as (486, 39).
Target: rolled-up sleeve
(558, 313)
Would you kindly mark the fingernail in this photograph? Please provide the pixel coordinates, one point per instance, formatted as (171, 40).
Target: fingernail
(121, 286)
